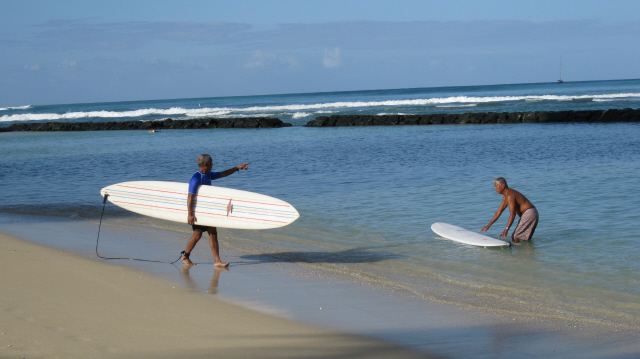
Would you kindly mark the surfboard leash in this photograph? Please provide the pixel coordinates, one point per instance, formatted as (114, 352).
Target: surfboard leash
(104, 203)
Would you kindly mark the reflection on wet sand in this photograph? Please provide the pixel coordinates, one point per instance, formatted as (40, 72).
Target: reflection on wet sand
(191, 284)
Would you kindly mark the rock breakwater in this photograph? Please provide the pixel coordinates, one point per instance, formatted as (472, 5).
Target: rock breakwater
(612, 115)
(168, 124)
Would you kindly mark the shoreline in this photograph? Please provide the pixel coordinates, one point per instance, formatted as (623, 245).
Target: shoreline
(55, 304)
(586, 116)
(291, 291)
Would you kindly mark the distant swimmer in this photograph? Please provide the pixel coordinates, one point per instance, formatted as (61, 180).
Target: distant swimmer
(204, 176)
(518, 204)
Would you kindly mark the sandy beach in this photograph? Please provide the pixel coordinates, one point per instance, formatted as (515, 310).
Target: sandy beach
(58, 305)
(59, 302)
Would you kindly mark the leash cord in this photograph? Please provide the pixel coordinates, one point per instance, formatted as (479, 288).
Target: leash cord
(104, 203)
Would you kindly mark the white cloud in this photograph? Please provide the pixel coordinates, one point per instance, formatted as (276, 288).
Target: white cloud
(259, 59)
(332, 58)
(291, 61)
(69, 64)
(262, 59)
(354, 35)
(32, 67)
(86, 36)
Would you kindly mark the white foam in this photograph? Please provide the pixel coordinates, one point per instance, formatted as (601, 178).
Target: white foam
(467, 105)
(299, 109)
(301, 114)
(15, 108)
(200, 112)
(631, 98)
(436, 101)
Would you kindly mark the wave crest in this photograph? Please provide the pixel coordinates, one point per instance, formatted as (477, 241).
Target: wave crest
(15, 108)
(300, 110)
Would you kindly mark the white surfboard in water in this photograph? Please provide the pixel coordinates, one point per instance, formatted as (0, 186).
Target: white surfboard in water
(459, 234)
(215, 206)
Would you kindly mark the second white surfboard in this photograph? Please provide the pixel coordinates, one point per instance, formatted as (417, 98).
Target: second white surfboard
(459, 234)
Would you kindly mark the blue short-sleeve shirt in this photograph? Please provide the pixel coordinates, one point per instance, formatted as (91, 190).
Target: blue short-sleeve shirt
(199, 178)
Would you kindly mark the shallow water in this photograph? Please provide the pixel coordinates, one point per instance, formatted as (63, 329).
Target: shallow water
(323, 299)
(367, 198)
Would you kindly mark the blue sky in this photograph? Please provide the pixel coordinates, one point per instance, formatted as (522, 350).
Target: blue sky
(96, 51)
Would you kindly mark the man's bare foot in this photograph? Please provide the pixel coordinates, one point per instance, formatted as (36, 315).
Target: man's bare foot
(220, 264)
(186, 260)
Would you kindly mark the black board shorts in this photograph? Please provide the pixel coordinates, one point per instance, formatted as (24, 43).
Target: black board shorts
(201, 229)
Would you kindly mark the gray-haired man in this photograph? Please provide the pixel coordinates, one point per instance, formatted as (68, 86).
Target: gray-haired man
(518, 204)
(204, 176)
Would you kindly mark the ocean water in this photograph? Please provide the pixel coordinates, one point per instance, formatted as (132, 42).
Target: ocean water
(368, 195)
(298, 109)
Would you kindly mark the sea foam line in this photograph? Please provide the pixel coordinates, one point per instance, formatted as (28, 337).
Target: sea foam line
(432, 101)
(300, 108)
(465, 105)
(115, 114)
(15, 108)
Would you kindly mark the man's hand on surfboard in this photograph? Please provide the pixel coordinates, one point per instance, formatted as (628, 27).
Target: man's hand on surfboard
(191, 219)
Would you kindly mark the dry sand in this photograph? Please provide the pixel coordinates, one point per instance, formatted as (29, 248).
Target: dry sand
(57, 305)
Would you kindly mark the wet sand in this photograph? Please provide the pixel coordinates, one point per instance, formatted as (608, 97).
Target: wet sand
(73, 305)
(57, 305)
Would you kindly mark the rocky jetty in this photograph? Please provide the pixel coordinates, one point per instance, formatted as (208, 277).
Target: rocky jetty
(593, 116)
(252, 122)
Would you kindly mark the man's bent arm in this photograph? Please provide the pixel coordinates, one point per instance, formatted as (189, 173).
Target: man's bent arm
(191, 218)
(511, 202)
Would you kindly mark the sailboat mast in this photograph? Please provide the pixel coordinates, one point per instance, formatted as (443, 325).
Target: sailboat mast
(560, 81)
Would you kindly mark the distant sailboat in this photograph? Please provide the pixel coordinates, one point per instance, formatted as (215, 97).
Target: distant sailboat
(560, 81)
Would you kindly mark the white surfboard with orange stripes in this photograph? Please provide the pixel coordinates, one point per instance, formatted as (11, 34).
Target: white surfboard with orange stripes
(215, 206)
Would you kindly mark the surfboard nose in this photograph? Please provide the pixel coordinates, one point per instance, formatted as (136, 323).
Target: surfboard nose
(296, 214)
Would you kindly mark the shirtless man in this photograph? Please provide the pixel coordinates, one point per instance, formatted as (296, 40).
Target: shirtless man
(204, 176)
(518, 204)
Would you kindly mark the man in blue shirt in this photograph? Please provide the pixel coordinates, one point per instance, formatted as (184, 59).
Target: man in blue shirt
(204, 176)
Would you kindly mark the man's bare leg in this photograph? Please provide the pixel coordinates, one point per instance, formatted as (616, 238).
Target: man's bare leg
(190, 245)
(215, 249)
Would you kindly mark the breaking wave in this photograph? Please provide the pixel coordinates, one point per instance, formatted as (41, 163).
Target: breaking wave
(15, 108)
(301, 110)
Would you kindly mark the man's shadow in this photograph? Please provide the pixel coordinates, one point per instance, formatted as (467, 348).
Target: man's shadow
(355, 255)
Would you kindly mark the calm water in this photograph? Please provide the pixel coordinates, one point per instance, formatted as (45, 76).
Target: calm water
(367, 196)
